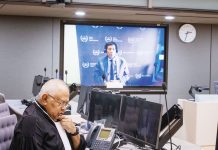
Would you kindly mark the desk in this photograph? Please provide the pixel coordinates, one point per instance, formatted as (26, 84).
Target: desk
(16, 106)
(199, 122)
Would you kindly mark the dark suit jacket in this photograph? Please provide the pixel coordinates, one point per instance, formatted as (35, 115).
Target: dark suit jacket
(36, 131)
(101, 74)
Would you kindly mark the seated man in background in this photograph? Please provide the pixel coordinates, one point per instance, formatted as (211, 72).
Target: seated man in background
(43, 125)
(111, 67)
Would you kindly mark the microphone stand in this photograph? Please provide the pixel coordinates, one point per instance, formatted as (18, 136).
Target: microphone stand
(45, 71)
(56, 71)
(168, 118)
(66, 75)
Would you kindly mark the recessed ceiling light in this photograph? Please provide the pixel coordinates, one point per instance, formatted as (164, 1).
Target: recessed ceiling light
(169, 17)
(80, 13)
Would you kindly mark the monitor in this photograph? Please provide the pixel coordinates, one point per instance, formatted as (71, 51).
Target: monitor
(141, 49)
(140, 121)
(105, 106)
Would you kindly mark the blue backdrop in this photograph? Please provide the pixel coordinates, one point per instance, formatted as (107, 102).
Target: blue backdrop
(142, 47)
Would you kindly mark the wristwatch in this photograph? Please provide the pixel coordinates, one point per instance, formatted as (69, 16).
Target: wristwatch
(75, 133)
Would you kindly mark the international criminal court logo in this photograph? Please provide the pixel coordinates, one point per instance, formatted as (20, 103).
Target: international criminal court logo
(95, 27)
(84, 38)
(138, 75)
(119, 28)
(108, 38)
(142, 28)
(131, 40)
(85, 64)
(95, 52)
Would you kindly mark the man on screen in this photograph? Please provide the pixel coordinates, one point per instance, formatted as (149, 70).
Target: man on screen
(111, 68)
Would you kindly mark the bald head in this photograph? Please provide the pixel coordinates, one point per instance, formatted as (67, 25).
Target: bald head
(53, 86)
(54, 96)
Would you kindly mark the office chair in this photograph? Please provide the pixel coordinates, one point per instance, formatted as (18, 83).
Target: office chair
(4, 110)
(2, 98)
(38, 82)
(7, 125)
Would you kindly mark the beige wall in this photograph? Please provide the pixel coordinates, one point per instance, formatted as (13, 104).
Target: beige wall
(28, 44)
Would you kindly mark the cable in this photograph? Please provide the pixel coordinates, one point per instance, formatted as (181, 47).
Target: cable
(118, 141)
(168, 118)
(178, 147)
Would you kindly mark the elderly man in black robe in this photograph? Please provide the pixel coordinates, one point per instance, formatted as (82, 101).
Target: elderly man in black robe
(43, 125)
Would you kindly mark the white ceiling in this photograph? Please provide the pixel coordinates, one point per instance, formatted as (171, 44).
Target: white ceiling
(107, 13)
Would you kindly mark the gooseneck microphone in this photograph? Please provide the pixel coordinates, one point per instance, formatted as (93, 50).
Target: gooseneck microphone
(56, 73)
(103, 77)
(66, 75)
(164, 87)
(45, 71)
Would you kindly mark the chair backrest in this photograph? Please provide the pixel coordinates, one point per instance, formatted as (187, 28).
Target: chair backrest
(4, 110)
(2, 98)
(38, 82)
(7, 125)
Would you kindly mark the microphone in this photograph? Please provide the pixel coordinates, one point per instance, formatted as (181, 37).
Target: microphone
(103, 77)
(200, 89)
(197, 89)
(45, 71)
(164, 86)
(66, 75)
(56, 71)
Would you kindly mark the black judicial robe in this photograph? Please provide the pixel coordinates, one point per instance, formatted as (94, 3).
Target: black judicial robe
(36, 131)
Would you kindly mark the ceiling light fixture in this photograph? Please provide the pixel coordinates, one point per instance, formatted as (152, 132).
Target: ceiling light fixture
(80, 13)
(169, 17)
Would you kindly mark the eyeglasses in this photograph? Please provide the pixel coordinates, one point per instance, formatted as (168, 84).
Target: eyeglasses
(60, 103)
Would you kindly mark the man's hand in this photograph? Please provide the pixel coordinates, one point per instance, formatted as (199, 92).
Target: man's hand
(68, 124)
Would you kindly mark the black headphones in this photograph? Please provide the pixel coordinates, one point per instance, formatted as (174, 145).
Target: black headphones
(108, 44)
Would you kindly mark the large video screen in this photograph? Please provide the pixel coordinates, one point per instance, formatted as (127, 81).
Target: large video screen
(131, 55)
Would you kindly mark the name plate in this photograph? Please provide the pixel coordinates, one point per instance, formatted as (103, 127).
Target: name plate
(114, 84)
